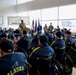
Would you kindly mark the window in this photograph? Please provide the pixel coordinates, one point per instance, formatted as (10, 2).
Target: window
(49, 14)
(7, 3)
(29, 0)
(21, 1)
(67, 12)
(23, 14)
(34, 15)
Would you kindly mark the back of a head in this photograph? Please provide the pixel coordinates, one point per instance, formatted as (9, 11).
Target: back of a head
(58, 34)
(7, 46)
(3, 35)
(44, 39)
(68, 32)
(21, 21)
(24, 43)
(38, 29)
(24, 32)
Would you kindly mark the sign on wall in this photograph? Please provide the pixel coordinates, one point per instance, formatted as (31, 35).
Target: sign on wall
(68, 23)
(17, 20)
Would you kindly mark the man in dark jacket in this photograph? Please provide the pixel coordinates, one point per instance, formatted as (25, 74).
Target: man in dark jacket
(40, 28)
(68, 40)
(24, 42)
(40, 57)
(59, 46)
(11, 63)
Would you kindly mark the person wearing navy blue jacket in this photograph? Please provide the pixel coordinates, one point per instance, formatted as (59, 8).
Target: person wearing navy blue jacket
(59, 46)
(68, 40)
(11, 63)
(40, 28)
(24, 42)
(45, 53)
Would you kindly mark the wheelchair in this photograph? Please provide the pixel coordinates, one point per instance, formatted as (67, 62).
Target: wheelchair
(67, 64)
(56, 67)
(27, 68)
(59, 68)
(72, 54)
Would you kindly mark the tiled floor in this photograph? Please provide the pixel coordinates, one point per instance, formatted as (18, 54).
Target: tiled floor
(74, 71)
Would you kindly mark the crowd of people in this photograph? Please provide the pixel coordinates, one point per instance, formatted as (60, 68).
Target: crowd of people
(17, 49)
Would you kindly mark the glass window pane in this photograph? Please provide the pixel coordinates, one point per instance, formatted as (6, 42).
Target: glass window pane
(49, 14)
(21, 1)
(34, 15)
(67, 12)
(30, 0)
(7, 3)
(23, 14)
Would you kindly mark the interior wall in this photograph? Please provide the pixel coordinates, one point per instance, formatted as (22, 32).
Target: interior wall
(7, 13)
(33, 5)
(7, 8)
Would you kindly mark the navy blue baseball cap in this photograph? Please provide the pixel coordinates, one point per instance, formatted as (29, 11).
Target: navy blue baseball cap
(24, 32)
(68, 32)
(7, 46)
(44, 39)
(58, 34)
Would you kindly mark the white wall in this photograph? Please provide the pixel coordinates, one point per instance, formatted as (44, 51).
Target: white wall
(6, 13)
(7, 8)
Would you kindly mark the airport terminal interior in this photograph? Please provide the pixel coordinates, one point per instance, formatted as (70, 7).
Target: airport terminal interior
(38, 18)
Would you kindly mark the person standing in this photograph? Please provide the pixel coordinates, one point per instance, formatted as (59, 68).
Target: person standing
(51, 27)
(22, 25)
(45, 28)
(39, 28)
